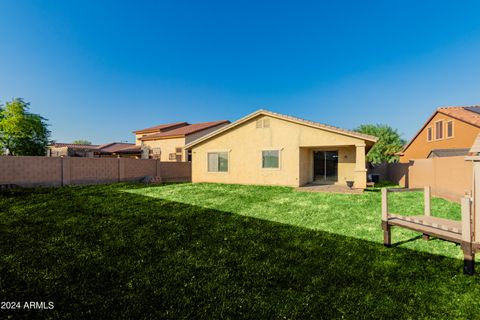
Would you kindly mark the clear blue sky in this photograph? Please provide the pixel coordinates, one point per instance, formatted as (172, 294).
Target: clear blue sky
(98, 70)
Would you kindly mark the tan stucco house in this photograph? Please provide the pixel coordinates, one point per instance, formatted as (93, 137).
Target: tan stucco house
(167, 141)
(449, 132)
(268, 148)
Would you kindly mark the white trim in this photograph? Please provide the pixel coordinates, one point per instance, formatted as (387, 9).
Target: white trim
(446, 130)
(442, 126)
(431, 131)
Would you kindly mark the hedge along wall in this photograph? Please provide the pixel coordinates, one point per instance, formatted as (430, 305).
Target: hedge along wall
(46, 171)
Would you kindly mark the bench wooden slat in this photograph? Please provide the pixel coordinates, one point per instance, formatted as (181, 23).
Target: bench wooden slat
(429, 221)
(425, 229)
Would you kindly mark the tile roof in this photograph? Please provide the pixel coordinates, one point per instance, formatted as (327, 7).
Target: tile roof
(74, 145)
(288, 118)
(186, 130)
(113, 147)
(161, 127)
(116, 147)
(321, 125)
(470, 114)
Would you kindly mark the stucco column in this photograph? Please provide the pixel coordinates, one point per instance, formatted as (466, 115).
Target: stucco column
(360, 171)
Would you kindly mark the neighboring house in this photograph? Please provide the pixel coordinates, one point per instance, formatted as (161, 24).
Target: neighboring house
(268, 148)
(114, 149)
(450, 131)
(166, 142)
(119, 150)
(71, 150)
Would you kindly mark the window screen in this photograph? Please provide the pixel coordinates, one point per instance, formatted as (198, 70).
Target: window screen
(218, 162)
(429, 134)
(270, 159)
(439, 130)
(450, 129)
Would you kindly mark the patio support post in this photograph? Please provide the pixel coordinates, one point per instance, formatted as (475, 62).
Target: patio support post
(360, 171)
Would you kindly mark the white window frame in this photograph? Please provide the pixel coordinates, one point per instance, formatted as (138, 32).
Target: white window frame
(443, 129)
(431, 131)
(279, 158)
(228, 161)
(446, 129)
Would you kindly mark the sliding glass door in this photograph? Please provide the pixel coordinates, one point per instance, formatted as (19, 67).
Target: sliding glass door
(325, 166)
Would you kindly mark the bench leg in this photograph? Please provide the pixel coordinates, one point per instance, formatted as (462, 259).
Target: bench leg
(387, 235)
(426, 237)
(468, 259)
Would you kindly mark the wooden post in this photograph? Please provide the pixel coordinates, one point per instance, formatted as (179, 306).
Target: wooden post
(427, 200)
(427, 206)
(387, 236)
(468, 254)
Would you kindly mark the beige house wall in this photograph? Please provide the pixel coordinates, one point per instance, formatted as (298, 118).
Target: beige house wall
(167, 146)
(296, 143)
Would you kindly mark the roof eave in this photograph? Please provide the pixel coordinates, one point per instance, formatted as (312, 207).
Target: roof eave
(271, 114)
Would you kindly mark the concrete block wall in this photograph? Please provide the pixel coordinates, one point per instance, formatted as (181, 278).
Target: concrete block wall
(46, 171)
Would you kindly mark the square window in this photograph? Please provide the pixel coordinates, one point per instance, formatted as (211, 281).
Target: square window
(172, 156)
(217, 162)
(271, 159)
(178, 150)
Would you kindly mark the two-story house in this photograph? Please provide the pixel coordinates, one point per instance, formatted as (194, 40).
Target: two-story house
(166, 141)
(450, 131)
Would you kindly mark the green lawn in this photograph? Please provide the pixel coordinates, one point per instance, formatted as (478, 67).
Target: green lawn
(224, 251)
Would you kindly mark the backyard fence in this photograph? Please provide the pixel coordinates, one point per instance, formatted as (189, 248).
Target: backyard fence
(448, 177)
(46, 171)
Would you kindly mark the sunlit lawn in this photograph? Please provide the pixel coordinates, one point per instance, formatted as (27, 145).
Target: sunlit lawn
(224, 251)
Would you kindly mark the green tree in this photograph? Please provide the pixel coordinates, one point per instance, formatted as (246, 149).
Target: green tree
(389, 142)
(80, 141)
(22, 133)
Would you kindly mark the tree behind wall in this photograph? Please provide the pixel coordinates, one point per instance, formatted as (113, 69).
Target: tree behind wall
(389, 143)
(80, 141)
(22, 133)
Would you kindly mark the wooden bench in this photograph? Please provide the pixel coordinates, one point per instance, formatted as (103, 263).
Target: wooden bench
(450, 230)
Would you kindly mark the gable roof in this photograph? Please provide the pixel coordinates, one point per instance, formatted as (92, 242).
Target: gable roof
(162, 127)
(286, 118)
(467, 114)
(185, 130)
(114, 147)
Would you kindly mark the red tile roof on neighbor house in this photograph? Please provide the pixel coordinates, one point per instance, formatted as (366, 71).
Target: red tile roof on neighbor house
(108, 148)
(74, 145)
(117, 147)
(184, 131)
(469, 114)
(162, 127)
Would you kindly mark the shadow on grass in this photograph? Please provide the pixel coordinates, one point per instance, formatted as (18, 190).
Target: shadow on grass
(399, 243)
(97, 252)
